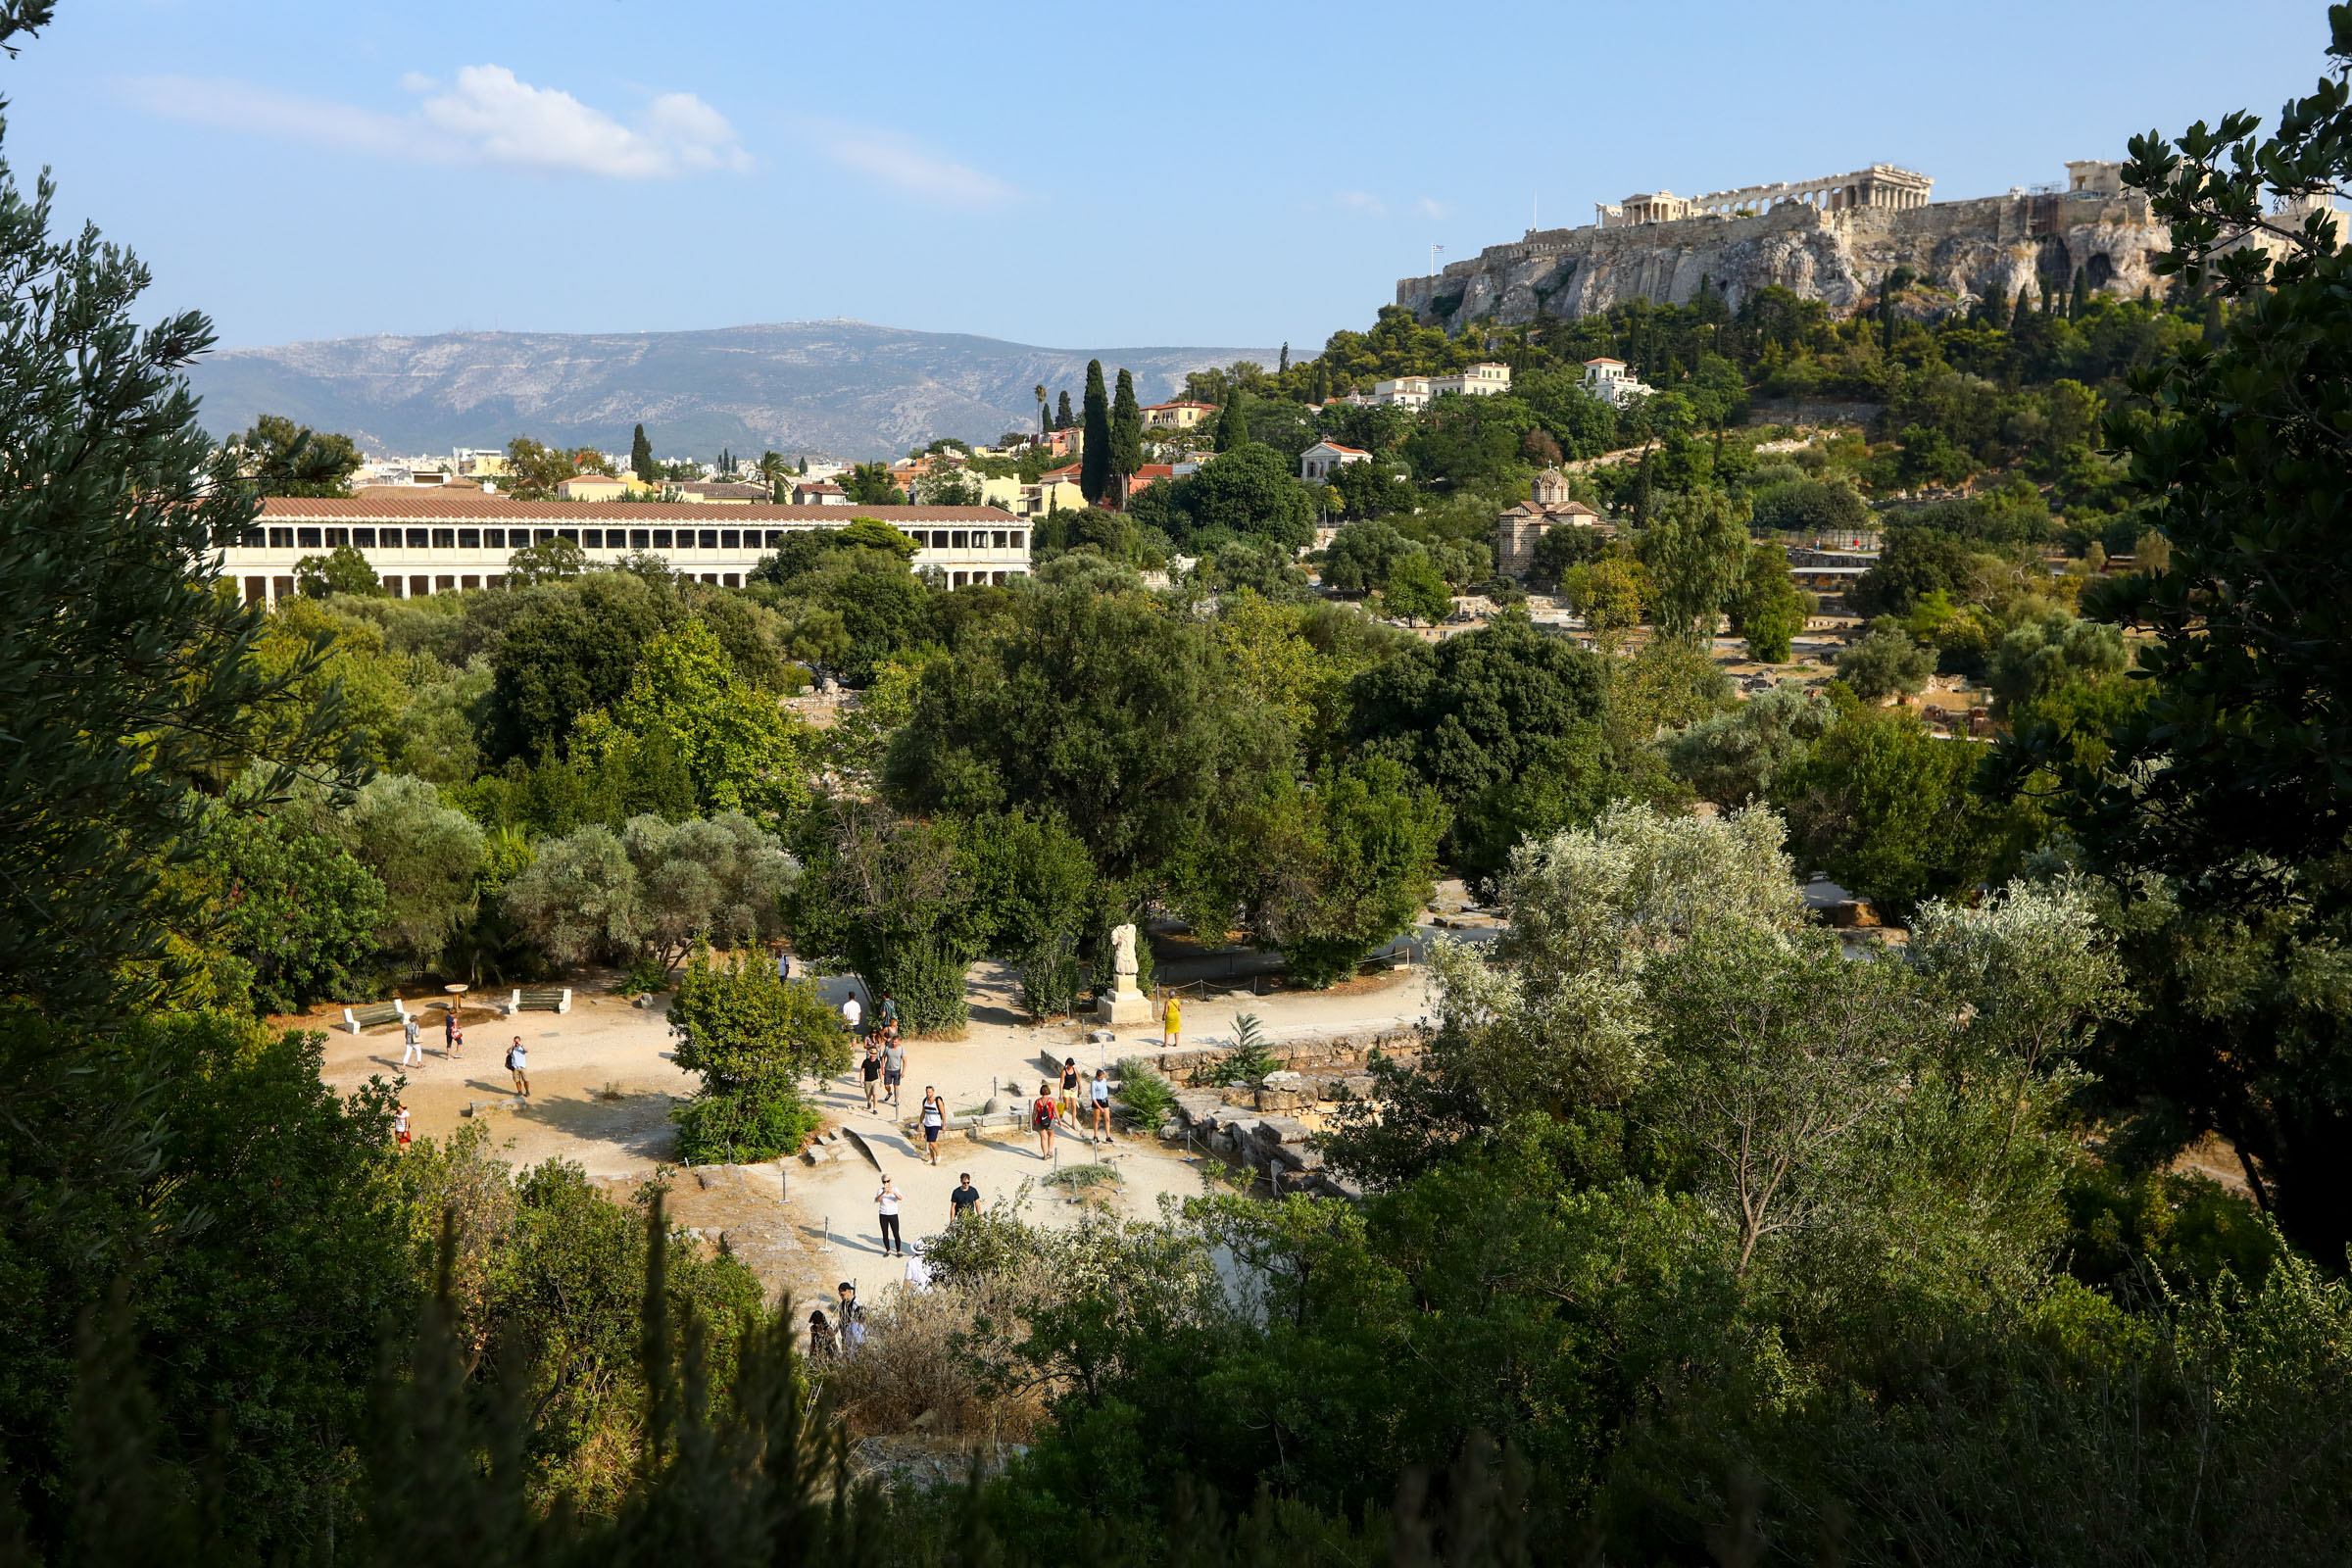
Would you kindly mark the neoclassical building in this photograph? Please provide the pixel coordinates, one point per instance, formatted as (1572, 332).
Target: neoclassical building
(446, 541)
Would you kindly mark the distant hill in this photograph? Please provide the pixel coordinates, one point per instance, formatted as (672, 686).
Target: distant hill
(844, 389)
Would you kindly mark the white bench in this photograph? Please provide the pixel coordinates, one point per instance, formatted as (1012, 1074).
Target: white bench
(376, 1015)
(550, 999)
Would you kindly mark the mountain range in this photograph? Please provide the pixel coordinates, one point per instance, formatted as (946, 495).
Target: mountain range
(839, 389)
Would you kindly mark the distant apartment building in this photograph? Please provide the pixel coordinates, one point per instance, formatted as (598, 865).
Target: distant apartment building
(460, 539)
(1402, 392)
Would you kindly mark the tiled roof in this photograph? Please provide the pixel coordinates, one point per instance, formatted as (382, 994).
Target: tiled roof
(1180, 403)
(1334, 446)
(1604, 359)
(474, 507)
(1157, 471)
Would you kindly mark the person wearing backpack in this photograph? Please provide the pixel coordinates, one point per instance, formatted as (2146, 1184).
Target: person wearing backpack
(1040, 1117)
(518, 1063)
(935, 1121)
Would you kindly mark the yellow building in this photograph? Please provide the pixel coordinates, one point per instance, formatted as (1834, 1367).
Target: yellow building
(597, 487)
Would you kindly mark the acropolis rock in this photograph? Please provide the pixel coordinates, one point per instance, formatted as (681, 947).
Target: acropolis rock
(1820, 251)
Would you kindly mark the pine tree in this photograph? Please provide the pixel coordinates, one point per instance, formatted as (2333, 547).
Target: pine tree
(1063, 420)
(641, 454)
(1093, 463)
(1126, 430)
(2080, 302)
(1231, 432)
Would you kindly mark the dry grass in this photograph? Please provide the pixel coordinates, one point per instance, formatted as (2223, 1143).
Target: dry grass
(927, 1365)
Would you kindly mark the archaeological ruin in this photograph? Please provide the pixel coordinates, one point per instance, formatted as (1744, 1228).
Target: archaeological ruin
(1831, 239)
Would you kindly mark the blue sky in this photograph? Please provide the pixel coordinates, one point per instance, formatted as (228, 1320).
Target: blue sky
(1209, 174)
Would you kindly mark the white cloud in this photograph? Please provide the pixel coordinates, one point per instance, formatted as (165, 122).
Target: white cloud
(895, 160)
(488, 117)
(1430, 208)
(1362, 202)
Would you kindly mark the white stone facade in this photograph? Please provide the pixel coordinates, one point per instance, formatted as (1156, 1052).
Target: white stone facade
(449, 543)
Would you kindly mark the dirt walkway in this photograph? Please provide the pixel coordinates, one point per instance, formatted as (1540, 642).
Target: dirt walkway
(603, 1084)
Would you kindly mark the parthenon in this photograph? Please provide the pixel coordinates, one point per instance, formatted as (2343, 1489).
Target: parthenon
(1881, 185)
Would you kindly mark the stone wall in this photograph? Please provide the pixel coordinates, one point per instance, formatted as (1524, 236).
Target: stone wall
(1999, 242)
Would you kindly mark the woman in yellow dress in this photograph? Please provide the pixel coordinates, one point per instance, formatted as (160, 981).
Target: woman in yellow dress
(1171, 1024)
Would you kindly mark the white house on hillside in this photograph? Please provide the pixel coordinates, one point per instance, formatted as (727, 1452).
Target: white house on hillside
(1482, 380)
(1324, 459)
(1612, 382)
(1404, 392)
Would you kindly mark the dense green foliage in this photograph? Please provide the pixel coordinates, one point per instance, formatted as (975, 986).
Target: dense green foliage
(1692, 1229)
(751, 1036)
(2219, 805)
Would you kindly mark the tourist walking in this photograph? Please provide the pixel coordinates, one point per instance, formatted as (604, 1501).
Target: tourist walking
(886, 1202)
(852, 1014)
(935, 1121)
(411, 1054)
(871, 1072)
(399, 1125)
(519, 1062)
(893, 1064)
(850, 1320)
(1069, 1087)
(888, 1015)
(821, 1345)
(457, 1041)
(1040, 1117)
(453, 1039)
(1098, 1091)
(964, 1201)
(1171, 1024)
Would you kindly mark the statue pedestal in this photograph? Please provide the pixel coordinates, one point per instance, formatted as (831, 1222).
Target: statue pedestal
(1124, 1009)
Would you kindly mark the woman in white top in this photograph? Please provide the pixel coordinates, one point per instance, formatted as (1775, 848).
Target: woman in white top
(887, 1200)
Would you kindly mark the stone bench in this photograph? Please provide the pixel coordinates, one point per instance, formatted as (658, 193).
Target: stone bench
(552, 999)
(357, 1019)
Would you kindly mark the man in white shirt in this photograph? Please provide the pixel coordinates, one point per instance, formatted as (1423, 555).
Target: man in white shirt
(851, 1013)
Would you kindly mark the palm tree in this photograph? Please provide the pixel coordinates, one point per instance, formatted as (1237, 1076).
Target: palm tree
(1041, 407)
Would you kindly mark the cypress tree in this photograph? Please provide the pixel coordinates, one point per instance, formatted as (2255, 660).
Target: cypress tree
(1997, 306)
(1126, 430)
(2017, 317)
(1231, 432)
(1094, 463)
(1061, 418)
(1282, 366)
(641, 454)
(2080, 302)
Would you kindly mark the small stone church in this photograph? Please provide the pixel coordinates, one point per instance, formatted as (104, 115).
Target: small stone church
(1548, 506)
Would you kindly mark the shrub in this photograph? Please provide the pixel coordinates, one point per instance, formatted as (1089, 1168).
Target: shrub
(1144, 1092)
(1250, 1059)
(762, 1121)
